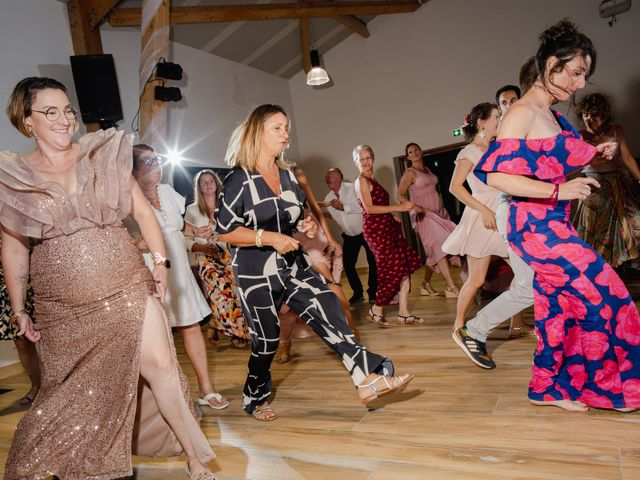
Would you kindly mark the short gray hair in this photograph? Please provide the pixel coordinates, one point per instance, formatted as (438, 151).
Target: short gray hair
(358, 149)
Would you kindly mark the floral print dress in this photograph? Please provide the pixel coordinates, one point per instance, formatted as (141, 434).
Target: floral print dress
(587, 324)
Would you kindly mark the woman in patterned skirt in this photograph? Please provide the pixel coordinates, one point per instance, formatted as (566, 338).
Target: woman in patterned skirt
(213, 261)
(260, 207)
(609, 218)
(588, 326)
(395, 259)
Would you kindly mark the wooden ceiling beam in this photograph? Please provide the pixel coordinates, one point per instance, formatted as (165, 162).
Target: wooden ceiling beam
(353, 23)
(305, 43)
(99, 10)
(130, 17)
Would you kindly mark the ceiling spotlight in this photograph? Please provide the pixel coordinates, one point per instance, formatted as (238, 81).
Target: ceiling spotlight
(317, 75)
(174, 157)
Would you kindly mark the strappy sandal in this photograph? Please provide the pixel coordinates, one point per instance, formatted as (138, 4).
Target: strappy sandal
(389, 385)
(379, 320)
(426, 290)
(264, 413)
(200, 476)
(220, 402)
(409, 320)
(28, 399)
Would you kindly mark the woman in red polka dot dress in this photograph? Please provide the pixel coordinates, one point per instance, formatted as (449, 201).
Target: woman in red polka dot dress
(395, 259)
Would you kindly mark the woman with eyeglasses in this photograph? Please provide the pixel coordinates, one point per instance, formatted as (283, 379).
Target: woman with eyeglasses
(184, 303)
(212, 259)
(99, 325)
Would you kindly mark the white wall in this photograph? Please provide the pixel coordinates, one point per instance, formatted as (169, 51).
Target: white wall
(418, 75)
(217, 95)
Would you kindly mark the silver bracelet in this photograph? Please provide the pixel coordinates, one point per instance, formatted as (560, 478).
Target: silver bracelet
(259, 233)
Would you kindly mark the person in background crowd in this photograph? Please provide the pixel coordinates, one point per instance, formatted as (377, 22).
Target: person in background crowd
(396, 260)
(476, 235)
(429, 218)
(184, 305)
(213, 263)
(343, 206)
(609, 218)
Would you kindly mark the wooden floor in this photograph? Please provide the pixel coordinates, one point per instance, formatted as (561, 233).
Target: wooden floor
(455, 421)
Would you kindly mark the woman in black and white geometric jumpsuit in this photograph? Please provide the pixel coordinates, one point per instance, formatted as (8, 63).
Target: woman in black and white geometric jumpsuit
(260, 207)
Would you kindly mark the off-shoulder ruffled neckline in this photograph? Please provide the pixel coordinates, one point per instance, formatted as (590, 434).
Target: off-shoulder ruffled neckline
(565, 126)
(87, 143)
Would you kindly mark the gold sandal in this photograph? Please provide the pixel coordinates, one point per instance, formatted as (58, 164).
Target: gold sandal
(263, 412)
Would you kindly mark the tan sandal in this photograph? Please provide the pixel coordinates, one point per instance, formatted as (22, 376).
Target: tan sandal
(264, 413)
(200, 476)
(409, 320)
(379, 320)
(451, 292)
(389, 385)
(426, 290)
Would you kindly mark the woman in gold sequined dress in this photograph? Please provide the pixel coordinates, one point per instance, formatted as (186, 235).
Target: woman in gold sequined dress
(99, 324)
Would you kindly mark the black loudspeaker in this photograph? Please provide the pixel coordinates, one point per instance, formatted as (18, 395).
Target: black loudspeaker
(97, 88)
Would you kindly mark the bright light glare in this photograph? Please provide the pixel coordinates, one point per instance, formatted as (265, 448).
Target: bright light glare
(174, 157)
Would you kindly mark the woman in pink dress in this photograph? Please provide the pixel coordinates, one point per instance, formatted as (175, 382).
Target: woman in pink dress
(476, 236)
(429, 218)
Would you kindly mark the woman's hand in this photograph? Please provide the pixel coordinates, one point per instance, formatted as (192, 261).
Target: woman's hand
(202, 232)
(489, 219)
(405, 206)
(281, 243)
(25, 326)
(418, 208)
(577, 189)
(159, 274)
(607, 150)
(337, 248)
(308, 227)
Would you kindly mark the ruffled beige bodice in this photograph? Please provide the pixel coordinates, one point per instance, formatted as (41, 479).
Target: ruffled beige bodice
(38, 208)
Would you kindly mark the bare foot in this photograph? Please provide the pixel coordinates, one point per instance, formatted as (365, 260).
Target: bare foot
(569, 405)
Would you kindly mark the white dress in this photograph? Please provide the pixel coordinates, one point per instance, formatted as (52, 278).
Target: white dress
(184, 302)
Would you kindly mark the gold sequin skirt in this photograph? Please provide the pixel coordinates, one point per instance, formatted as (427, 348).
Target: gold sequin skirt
(91, 289)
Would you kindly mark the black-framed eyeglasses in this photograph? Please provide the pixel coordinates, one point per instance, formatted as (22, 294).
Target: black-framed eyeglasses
(53, 113)
(207, 183)
(151, 160)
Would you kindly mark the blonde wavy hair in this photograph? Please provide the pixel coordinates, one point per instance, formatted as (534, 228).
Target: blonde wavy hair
(246, 139)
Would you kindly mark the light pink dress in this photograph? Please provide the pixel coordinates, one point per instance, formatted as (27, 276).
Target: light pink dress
(470, 236)
(433, 226)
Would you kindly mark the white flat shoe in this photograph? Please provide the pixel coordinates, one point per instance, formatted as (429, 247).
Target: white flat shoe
(221, 404)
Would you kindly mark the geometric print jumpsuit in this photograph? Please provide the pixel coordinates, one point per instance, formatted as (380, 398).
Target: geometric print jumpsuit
(266, 279)
(587, 324)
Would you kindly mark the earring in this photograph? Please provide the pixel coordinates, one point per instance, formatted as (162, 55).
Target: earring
(30, 129)
(481, 134)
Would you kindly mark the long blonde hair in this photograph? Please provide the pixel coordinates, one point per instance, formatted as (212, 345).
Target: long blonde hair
(197, 191)
(246, 139)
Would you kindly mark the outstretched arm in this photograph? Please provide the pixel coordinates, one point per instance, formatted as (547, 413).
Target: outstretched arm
(521, 186)
(362, 188)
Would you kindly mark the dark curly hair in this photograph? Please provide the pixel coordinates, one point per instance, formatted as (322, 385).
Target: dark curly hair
(596, 105)
(482, 111)
(528, 74)
(563, 41)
